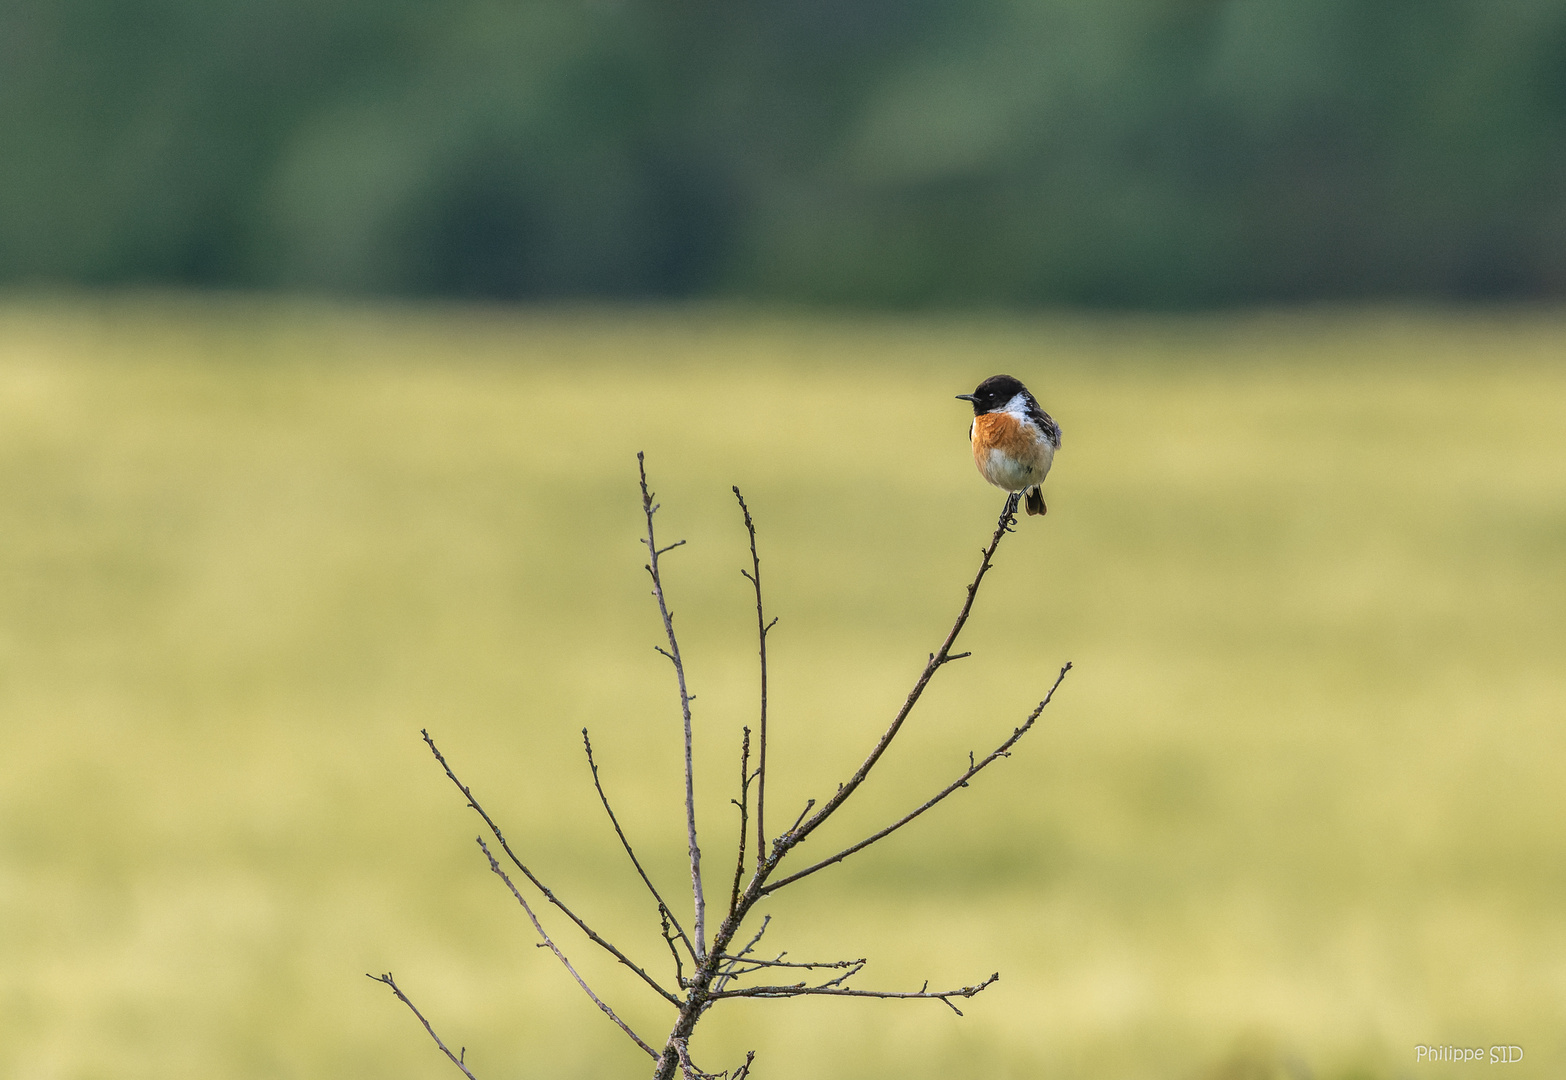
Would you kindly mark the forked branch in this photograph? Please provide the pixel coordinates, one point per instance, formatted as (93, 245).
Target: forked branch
(715, 971)
(974, 768)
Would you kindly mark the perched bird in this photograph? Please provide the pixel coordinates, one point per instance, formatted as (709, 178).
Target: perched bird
(1014, 441)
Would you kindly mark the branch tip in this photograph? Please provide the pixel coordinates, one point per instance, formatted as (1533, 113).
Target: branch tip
(698, 896)
(456, 1060)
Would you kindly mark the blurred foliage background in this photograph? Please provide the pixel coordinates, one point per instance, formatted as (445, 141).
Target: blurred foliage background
(1296, 810)
(1159, 153)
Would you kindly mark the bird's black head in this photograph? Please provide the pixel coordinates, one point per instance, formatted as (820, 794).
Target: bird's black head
(993, 393)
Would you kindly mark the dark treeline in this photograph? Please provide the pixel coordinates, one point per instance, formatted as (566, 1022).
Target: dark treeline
(1121, 152)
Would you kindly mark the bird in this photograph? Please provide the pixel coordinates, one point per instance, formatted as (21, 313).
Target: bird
(1014, 440)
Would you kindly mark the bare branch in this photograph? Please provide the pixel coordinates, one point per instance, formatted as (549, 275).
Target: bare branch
(715, 970)
(548, 894)
(937, 660)
(801, 990)
(962, 781)
(663, 908)
(762, 628)
(500, 871)
(654, 551)
(455, 1058)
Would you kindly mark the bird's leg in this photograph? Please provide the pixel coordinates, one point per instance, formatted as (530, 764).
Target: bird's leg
(1012, 499)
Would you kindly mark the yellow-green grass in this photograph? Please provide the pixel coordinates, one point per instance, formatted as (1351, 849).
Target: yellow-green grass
(1296, 811)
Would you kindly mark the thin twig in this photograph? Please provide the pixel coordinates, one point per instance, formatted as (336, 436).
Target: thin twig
(679, 965)
(663, 908)
(548, 894)
(762, 629)
(725, 973)
(495, 866)
(766, 921)
(854, 967)
(962, 781)
(790, 836)
(742, 802)
(937, 660)
(455, 1059)
(649, 508)
(836, 991)
(808, 965)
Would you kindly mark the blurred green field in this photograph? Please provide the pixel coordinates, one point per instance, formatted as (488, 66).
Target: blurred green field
(1297, 810)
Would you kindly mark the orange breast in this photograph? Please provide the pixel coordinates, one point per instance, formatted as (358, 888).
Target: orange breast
(1009, 453)
(1004, 432)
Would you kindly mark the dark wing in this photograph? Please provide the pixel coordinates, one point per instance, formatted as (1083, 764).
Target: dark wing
(1045, 422)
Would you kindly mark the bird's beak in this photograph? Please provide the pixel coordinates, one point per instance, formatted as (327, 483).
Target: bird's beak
(964, 397)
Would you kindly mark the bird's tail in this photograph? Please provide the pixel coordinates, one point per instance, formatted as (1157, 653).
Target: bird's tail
(1036, 501)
